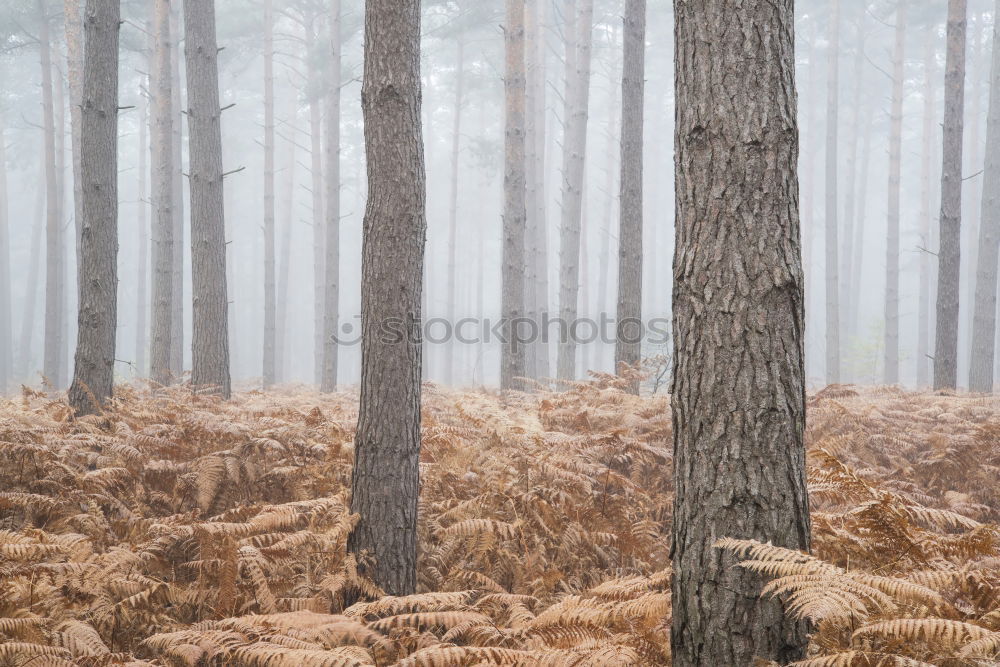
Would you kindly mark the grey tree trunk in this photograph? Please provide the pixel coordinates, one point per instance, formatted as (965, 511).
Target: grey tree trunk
(858, 250)
(331, 292)
(162, 191)
(6, 321)
(177, 200)
(891, 362)
(612, 172)
(386, 479)
(971, 189)
(31, 288)
(832, 199)
(738, 398)
(512, 356)
(73, 21)
(537, 355)
(628, 344)
(210, 317)
(924, 307)
(949, 255)
(62, 267)
(985, 312)
(270, 291)
(281, 359)
(456, 145)
(94, 370)
(142, 263)
(578, 31)
(319, 229)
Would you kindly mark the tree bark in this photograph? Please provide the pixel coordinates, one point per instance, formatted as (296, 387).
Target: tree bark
(949, 255)
(270, 295)
(924, 307)
(985, 312)
(331, 292)
(94, 370)
(386, 477)
(891, 360)
(456, 145)
(177, 199)
(6, 321)
(319, 228)
(579, 31)
(512, 357)
(73, 20)
(738, 397)
(162, 191)
(832, 199)
(628, 345)
(537, 354)
(210, 317)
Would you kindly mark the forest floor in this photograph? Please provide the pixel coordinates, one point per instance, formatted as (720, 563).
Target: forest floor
(179, 530)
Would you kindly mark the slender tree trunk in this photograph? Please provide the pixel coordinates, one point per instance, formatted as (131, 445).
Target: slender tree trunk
(319, 228)
(210, 317)
(832, 199)
(512, 357)
(142, 261)
(331, 293)
(578, 30)
(94, 371)
(74, 73)
(850, 198)
(62, 266)
(924, 307)
(985, 312)
(537, 359)
(971, 189)
(612, 171)
(284, 263)
(949, 255)
(31, 287)
(162, 191)
(270, 294)
(628, 346)
(857, 256)
(6, 321)
(456, 144)
(738, 397)
(891, 369)
(177, 199)
(386, 478)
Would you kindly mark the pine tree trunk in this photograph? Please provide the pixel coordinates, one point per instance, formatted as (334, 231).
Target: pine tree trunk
(512, 358)
(386, 478)
(74, 73)
(31, 287)
(857, 257)
(985, 311)
(142, 261)
(94, 370)
(859, 102)
(612, 171)
(270, 292)
(162, 191)
(971, 189)
(578, 31)
(210, 317)
(177, 180)
(832, 200)
(924, 307)
(537, 358)
(738, 397)
(456, 144)
(331, 292)
(891, 362)
(6, 321)
(628, 346)
(62, 266)
(284, 263)
(949, 255)
(319, 229)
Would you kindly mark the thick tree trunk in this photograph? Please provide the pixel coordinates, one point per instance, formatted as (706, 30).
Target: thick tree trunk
(578, 31)
(73, 20)
(738, 396)
(94, 370)
(985, 312)
(949, 255)
(891, 343)
(270, 290)
(386, 478)
(331, 292)
(210, 317)
(177, 180)
(6, 321)
(162, 191)
(832, 199)
(319, 229)
(537, 354)
(142, 261)
(31, 287)
(924, 307)
(512, 357)
(628, 346)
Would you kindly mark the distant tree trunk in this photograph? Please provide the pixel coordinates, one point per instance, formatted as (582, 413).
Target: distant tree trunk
(31, 287)
(857, 257)
(537, 354)
(514, 211)
(74, 73)
(177, 200)
(386, 478)
(924, 307)
(331, 292)
(612, 151)
(971, 190)
(319, 229)
(859, 101)
(94, 371)
(456, 144)
(984, 318)
(142, 263)
(578, 31)
(210, 317)
(738, 396)
(949, 255)
(284, 263)
(162, 191)
(62, 267)
(270, 295)
(53, 224)
(628, 345)
(891, 370)
(6, 321)
(832, 199)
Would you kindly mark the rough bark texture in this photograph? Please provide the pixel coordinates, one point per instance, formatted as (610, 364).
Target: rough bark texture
(985, 312)
(891, 343)
(94, 370)
(456, 145)
(6, 322)
(270, 291)
(386, 477)
(161, 156)
(628, 346)
(924, 307)
(738, 396)
(832, 200)
(331, 292)
(319, 228)
(210, 317)
(512, 356)
(578, 31)
(949, 255)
